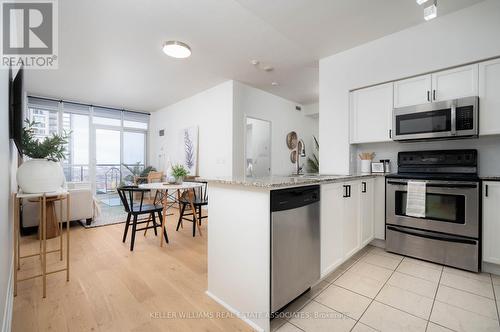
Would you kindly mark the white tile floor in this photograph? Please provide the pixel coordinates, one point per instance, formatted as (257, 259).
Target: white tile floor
(380, 291)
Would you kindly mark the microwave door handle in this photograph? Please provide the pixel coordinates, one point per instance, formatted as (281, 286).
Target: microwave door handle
(453, 120)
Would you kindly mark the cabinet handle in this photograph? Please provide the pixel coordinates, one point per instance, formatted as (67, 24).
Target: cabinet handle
(348, 190)
(428, 95)
(363, 187)
(486, 190)
(390, 133)
(344, 192)
(434, 95)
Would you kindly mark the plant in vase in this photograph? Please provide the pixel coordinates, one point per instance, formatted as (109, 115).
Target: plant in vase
(179, 172)
(43, 171)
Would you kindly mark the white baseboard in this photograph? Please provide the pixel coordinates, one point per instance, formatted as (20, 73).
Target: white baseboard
(9, 301)
(378, 243)
(490, 268)
(235, 312)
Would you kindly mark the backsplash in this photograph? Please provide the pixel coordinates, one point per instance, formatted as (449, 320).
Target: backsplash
(488, 150)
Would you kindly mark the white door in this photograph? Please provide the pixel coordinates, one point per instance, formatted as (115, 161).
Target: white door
(491, 222)
(258, 147)
(371, 114)
(332, 209)
(455, 83)
(351, 227)
(412, 91)
(489, 97)
(366, 204)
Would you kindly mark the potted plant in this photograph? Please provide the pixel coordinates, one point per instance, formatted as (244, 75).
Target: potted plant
(179, 172)
(43, 171)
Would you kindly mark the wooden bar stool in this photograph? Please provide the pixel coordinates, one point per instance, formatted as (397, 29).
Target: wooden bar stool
(43, 199)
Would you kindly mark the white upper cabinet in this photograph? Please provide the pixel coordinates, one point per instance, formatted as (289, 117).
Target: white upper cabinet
(444, 85)
(455, 83)
(371, 114)
(489, 97)
(412, 91)
(491, 222)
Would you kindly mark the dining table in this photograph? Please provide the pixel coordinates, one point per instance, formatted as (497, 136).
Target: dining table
(166, 191)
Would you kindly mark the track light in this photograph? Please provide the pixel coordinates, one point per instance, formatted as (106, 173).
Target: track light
(431, 11)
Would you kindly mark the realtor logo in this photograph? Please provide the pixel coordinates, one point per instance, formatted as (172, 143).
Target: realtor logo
(29, 34)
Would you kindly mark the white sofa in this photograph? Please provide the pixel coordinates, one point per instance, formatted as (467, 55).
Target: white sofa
(81, 205)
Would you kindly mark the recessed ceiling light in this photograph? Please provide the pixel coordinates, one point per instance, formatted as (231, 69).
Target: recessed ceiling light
(430, 12)
(268, 68)
(177, 49)
(275, 84)
(421, 1)
(254, 62)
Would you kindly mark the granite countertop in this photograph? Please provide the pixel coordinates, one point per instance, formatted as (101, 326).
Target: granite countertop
(277, 181)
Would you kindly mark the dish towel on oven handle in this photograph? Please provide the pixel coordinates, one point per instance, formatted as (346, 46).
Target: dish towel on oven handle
(415, 199)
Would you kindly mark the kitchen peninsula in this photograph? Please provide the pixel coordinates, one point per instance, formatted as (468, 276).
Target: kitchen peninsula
(240, 233)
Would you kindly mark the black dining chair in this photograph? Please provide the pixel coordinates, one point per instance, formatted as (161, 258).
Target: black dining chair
(200, 200)
(137, 208)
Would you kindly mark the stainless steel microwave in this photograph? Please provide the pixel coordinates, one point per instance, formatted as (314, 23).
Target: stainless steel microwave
(445, 119)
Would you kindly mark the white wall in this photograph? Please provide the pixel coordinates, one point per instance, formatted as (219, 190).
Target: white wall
(464, 36)
(220, 115)
(284, 118)
(211, 111)
(8, 163)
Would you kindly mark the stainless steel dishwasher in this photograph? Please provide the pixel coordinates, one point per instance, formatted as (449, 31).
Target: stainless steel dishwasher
(295, 243)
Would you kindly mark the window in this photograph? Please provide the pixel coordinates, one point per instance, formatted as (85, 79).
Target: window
(45, 115)
(107, 136)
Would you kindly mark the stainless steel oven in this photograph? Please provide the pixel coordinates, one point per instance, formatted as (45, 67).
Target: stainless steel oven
(451, 207)
(449, 231)
(445, 119)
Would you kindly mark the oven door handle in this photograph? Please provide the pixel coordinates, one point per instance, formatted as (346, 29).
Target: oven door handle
(438, 185)
(431, 236)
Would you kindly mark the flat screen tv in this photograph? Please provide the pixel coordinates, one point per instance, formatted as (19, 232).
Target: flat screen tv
(16, 107)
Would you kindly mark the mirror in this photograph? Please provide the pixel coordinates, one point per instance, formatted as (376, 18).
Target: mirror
(258, 147)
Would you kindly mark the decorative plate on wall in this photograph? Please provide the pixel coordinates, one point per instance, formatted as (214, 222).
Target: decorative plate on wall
(291, 140)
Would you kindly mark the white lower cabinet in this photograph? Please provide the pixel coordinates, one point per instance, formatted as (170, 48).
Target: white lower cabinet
(347, 220)
(379, 208)
(351, 225)
(366, 210)
(332, 210)
(491, 222)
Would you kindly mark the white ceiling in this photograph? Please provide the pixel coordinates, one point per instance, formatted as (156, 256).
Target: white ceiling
(110, 50)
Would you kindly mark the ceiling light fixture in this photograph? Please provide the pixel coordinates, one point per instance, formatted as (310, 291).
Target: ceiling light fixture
(421, 1)
(176, 49)
(275, 84)
(431, 11)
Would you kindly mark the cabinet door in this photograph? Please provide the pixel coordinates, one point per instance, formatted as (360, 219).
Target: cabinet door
(489, 97)
(371, 114)
(366, 210)
(351, 227)
(379, 208)
(491, 222)
(455, 83)
(332, 211)
(412, 91)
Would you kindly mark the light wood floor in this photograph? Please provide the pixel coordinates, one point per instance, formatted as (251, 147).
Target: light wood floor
(113, 289)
